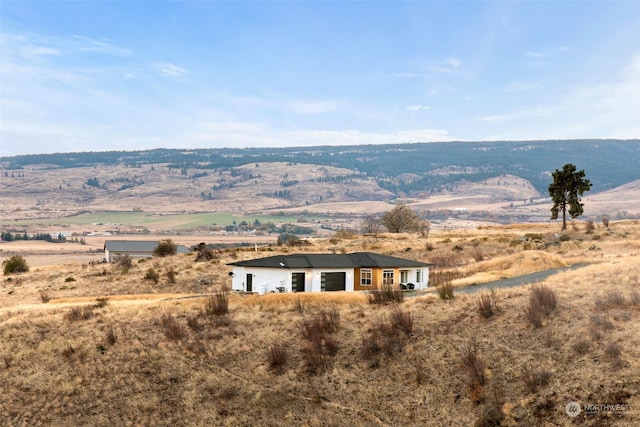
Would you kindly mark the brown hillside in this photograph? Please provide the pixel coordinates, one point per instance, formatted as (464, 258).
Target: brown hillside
(111, 348)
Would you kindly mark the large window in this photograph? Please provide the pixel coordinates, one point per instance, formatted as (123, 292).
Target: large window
(404, 276)
(365, 277)
(387, 278)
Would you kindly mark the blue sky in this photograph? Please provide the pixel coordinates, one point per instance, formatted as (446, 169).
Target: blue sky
(112, 75)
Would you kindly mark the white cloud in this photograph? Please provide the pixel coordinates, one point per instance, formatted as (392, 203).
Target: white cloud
(312, 107)
(515, 87)
(448, 65)
(40, 51)
(170, 70)
(356, 137)
(523, 114)
(605, 109)
(533, 54)
(453, 62)
(417, 107)
(89, 45)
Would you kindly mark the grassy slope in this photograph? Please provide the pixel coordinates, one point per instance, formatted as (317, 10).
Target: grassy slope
(64, 372)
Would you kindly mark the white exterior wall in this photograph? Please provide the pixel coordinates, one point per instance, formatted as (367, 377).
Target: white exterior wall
(270, 278)
(109, 256)
(424, 278)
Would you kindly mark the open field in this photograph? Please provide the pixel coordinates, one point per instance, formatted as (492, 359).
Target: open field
(111, 348)
(153, 220)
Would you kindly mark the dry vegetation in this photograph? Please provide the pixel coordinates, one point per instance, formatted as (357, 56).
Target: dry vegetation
(100, 345)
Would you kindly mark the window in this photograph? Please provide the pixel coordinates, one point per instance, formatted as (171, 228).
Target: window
(404, 276)
(387, 277)
(418, 276)
(365, 277)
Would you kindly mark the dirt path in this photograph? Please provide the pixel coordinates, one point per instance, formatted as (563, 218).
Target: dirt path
(516, 281)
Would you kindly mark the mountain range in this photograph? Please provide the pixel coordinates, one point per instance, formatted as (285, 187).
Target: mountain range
(507, 179)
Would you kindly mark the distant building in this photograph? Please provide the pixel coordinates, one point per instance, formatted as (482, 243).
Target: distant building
(133, 248)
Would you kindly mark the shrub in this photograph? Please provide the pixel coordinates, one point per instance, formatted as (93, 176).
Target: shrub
(581, 347)
(44, 296)
(402, 320)
(205, 253)
(217, 304)
(15, 264)
(123, 262)
(323, 323)
(171, 275)
(320, 346)
(635, 298)
(612, 298)
(535, 314)
(445, 291)
(173, 330)
(589, 226)
(472, 361)
(477, 254)
(111, 336)
(277, 357)
(152, 275)
(490, 415)
(7, 359)
(69, 279)
(534, 378)
(79, 313)
(542, 301)
(613, 351)
(388, 337)
(386, 295)
(194, 324)
(165, 248)
(487, 304)
(102, 302)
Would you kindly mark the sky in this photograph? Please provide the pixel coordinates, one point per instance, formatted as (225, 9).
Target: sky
(126, 75)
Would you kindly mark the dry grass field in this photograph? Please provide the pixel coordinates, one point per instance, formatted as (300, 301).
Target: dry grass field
(100, 345)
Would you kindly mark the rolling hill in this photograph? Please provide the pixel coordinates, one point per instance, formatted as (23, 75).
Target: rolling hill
(500, 180)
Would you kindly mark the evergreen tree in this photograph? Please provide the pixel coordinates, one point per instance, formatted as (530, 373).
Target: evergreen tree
(565, 191)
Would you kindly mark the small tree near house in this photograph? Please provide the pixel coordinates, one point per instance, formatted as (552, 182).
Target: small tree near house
(565, 191)
(165, 248)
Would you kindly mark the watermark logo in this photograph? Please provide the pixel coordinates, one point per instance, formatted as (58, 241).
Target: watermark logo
(573, 409)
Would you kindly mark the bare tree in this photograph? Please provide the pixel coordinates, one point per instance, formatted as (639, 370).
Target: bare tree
(371, 224)
(399, 219)
(423, 227)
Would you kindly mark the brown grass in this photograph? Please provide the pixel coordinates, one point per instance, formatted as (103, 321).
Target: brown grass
(149, 357)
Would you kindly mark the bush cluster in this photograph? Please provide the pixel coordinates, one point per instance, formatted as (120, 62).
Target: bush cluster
(542, 302)
(387, 337)
(320, 345)
(386, 295)
(15, 264)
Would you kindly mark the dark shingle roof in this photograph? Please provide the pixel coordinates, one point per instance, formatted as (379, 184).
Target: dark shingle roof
(130, 245)
(354, 260)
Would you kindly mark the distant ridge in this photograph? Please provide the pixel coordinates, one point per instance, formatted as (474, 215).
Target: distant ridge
(608, 163)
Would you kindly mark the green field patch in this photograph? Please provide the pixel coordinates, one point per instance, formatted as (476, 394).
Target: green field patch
(155, 220)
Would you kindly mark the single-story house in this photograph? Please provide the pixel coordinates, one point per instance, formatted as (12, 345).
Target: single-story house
(357, 271)
(133, 248)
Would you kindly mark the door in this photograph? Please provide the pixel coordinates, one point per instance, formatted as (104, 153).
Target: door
(297, 282)
(333, 281)
(249, 283)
